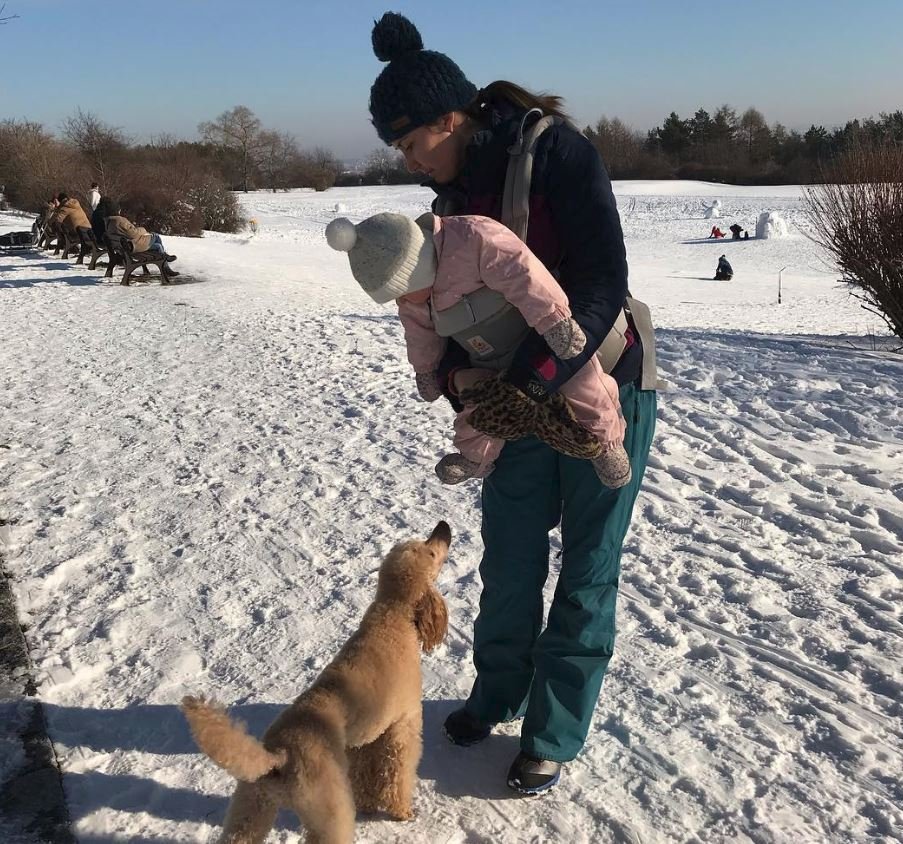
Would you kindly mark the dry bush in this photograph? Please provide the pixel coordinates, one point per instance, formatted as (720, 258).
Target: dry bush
(174, 189)
(217, 207)
(317, 169)
(33, 165)
(857, 215)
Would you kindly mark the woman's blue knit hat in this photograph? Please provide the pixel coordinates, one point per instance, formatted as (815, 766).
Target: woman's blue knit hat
(418, 86)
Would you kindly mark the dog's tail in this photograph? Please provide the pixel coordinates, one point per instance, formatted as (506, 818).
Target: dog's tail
(227, 743)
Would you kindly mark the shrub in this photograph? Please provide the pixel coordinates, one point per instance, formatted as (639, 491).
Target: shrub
(216, 207)
(857, 215)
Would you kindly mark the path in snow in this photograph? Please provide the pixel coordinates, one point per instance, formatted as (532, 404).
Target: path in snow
(205, 477)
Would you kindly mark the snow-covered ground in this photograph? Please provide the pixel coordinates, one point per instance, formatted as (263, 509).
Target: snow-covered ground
(203, 478)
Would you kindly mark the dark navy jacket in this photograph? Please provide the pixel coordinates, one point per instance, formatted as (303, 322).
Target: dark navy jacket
(574, 230)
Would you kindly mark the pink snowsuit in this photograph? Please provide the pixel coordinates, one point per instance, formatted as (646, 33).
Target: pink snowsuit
(475, 252)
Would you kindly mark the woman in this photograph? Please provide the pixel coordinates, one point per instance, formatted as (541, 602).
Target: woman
(459, 138)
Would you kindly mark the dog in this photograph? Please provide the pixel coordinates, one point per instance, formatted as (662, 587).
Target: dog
(352, 741)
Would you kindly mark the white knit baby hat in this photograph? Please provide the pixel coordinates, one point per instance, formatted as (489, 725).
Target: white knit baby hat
(390, 254)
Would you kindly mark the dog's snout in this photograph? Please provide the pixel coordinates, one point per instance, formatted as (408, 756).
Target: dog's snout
(441, 534)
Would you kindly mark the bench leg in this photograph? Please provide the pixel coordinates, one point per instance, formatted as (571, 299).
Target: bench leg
(129, 266)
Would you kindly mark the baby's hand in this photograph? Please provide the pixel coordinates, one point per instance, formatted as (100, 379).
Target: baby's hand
(565, 338)
(428, 386)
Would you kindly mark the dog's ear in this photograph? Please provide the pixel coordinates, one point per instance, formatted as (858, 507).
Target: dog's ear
(431, 619)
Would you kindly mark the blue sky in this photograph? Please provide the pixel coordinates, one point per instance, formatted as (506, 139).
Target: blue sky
(306, 66)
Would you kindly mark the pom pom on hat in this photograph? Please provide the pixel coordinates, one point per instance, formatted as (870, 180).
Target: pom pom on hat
(391, 255)
(393, 36)
(341, 234)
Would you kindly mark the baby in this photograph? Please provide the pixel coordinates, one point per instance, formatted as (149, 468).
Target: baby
(471, 279)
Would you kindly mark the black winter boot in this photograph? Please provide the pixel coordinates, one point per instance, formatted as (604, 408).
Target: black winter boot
(464, 729)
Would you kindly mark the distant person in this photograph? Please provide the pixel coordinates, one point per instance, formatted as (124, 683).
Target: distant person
(724, 271)
(94, 195)
(716, 232)
(141, 239)
(735, 231)
(745, 235)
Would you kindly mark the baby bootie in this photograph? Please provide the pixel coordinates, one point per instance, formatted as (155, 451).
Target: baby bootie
(454, 468)
(613, 467)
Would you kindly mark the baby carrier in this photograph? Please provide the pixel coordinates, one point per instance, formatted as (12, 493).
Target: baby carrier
(487, 326)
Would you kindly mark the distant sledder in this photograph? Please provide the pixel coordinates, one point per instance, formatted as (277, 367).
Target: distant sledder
(724, 271)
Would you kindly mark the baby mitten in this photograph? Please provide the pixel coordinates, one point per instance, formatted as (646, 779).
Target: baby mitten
(428, 386)
(565, 338)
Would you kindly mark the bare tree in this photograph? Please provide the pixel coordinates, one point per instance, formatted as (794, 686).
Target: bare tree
(386, 166)
(5, 18)
(278, 152)
(237, 130)
(857, 215)
(103, 148)
(620, 146)
(324, 168)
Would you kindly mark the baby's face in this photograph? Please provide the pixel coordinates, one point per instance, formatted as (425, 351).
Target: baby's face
(418, 297)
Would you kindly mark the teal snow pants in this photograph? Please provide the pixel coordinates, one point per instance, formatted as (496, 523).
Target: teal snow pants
(552, 677)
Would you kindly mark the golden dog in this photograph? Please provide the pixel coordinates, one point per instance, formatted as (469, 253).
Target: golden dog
(353, 739)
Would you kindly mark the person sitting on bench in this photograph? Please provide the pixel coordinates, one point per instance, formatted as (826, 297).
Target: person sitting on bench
(141, 239)
(70, 215)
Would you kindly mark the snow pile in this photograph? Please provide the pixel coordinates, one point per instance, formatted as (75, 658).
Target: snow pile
(712, 211)
(770, 224)
(340, 208)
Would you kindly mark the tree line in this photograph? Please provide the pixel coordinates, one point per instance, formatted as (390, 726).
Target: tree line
(167, 184)
(736, 149)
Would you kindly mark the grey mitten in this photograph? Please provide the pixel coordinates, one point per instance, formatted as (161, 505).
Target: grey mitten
(565, 338)
(428, 386)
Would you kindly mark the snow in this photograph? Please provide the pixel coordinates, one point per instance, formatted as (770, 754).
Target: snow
(203, 478)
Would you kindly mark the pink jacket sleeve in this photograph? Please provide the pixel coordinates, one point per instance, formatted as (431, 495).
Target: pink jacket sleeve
(425, 347)
(508, 266)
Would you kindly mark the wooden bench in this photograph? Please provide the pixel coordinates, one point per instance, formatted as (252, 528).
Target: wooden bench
(89, 245)
(45, 236)
(120, 249)
(53, 237)
(71, 242)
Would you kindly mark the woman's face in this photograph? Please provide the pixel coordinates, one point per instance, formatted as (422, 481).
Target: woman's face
(434, 150)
